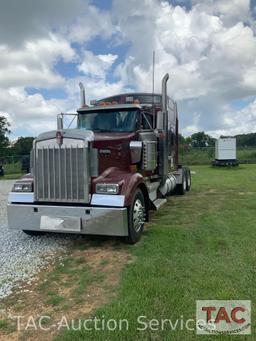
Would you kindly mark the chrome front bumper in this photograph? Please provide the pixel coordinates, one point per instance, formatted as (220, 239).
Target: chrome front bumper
(69, 219)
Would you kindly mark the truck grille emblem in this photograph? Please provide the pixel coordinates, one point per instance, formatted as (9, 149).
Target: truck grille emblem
(59, 138)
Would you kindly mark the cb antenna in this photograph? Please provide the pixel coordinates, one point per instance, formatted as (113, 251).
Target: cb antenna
(153, 77)
(153, 86)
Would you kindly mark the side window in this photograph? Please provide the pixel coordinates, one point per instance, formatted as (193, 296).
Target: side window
(147, 121)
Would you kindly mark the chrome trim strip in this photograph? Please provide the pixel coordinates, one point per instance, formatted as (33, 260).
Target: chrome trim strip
(77, 174)
(43, 174)
(65, 171)
(54, 175)
(48, 170)
(71, 173)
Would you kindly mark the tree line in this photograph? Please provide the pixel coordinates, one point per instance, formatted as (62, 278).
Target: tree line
(201, 139)
(22, 145)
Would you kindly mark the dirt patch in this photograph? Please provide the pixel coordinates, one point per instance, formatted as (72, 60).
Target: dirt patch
(71, 289)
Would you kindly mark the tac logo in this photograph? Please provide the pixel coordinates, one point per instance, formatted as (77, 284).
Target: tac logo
(223, 317)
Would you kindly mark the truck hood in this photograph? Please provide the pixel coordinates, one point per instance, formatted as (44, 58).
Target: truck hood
(67, 133)
(98, 140)
(110, 136)
(87, 135)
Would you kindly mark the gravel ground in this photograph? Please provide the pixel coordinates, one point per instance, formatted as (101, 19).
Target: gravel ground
(22, 256)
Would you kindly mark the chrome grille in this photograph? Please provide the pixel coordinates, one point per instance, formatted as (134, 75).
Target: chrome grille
(61, 174)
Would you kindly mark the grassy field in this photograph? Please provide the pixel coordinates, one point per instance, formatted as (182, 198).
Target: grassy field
(200, 246)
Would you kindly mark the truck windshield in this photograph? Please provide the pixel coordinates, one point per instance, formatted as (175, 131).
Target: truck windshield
(109, 120)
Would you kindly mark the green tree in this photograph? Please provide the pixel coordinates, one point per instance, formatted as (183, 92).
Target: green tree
(201, 139)
(23, 146)
(4, 132)
(181, 139)
(246, 140)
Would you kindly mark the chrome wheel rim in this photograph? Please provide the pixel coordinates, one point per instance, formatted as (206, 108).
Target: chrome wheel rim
(138, 215)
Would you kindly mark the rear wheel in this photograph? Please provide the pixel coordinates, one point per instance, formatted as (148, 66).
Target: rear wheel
(188, 176)
(182, 188)
(136, 217)
(33, 233)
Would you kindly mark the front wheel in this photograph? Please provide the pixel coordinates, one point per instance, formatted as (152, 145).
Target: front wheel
(136, 217)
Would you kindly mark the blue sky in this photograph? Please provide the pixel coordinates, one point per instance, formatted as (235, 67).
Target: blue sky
(208, 47)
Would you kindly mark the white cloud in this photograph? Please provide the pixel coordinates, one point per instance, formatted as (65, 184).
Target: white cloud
(200, 53)
(32, 64)
(211, 61)
(96, 65)
(95, 88)
(35, 114)
(93, 22)
(25, 20)
(231, 119)
(229, 11)
(29, 51)
(30, 112)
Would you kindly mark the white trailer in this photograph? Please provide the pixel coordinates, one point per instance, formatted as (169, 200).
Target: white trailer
(225, 152)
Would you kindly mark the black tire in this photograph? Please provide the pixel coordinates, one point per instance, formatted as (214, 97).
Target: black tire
(188, 175)
(33, 233)
(135, 230)
(182, 188)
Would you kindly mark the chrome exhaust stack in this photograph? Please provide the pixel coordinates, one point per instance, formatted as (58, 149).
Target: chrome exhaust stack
(163, 125)
(164, 92)
(82, 95)
(60, 121)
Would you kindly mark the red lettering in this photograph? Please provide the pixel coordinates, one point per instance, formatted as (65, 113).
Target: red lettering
(222, 315)
(234, 312)
(209, 312)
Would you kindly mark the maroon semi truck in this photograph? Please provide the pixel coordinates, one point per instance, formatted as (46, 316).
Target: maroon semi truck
(103, 177)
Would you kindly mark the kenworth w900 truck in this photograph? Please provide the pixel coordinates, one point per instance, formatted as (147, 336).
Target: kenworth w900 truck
(103, 177)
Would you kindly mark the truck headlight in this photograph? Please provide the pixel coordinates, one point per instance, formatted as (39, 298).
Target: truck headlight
(23, 187)
(107, 188)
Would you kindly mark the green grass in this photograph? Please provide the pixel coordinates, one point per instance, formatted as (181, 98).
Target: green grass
(12, 168)
(199, 246)
(70, 273)
(196, 156)
(6, 326)
(54, 299)
(13, 176)
(12, 171)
